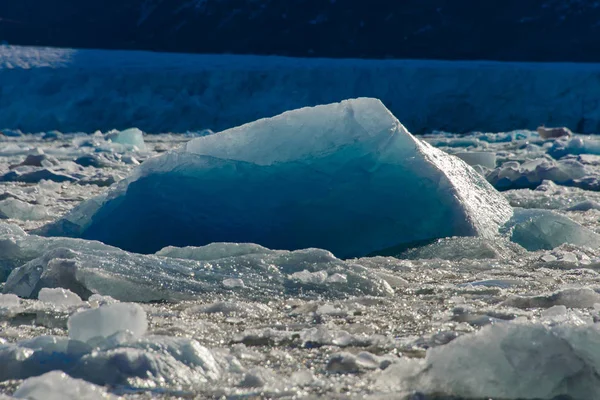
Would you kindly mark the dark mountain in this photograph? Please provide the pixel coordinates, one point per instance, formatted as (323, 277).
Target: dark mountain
(518, 30)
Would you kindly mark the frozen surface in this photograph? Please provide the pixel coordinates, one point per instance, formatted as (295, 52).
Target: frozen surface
(84, 90)
(346, 177)
(460, 317)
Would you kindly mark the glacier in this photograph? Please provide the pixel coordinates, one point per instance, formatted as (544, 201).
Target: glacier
(346, 177)
(84, 90)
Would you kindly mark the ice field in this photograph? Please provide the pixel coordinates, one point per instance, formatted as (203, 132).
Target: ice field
(323, 253)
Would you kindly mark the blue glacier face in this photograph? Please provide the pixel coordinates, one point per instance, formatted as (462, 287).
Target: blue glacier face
(346, 177)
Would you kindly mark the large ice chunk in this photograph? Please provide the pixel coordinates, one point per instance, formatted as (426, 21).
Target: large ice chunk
(346, 177)
(108, 320)
(507, 361)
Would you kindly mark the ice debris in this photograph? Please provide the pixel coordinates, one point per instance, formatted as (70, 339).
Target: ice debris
(131, 137)
(107, 320)
(545, 229)
(88, 267)
(17, 209)
(346, 177)
(57, 385)
(146, 362)
(59, 297)
(507, 360)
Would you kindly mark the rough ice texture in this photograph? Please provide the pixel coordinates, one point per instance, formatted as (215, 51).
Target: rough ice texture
(107, 320)
(346, 177)
(507, 361)
(17, 209)
(85, 90)
(88, 267)
(545, 230)
(149, 361)
(59, 297)
(131, 137)
(57, 385)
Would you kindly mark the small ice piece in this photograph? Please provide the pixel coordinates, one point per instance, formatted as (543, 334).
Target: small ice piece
(57, 385)
(17, 209)
(131, 137)
(305, 276)
(108, 320)
(554, 311)
(553, 133)
(346, 362)
(585, 205)
(570, 298)
(59, 297)
(483, 158)
(9, 301)
(545, 230)
(232, 283)
(337, 278)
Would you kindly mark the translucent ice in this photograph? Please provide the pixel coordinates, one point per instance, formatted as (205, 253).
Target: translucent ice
(17, 209)
(131, 137)
(346, 177)
(57, 385)
(575, 146)
(151, 361)
(59, 297)
(545, 230)
(97, 268)
(507, 361)
(485, 159)
(107, 320)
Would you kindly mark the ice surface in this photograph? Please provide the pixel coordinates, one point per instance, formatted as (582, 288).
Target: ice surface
(532, 173)
(92, 267)
(545, 229)
(84, 90)
(107, 320)
(507, 361)
(485, 159)
(59, 297)
(17, 209)
(9, 301)
(119, 360)
(59, 386)
(346, 177)
(131, 136)
(575, 146)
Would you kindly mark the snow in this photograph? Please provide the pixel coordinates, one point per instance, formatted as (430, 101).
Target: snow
(345, 177)
(107, 320)
(84, 90)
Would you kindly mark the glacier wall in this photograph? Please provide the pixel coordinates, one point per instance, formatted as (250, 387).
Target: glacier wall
(84, 90)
